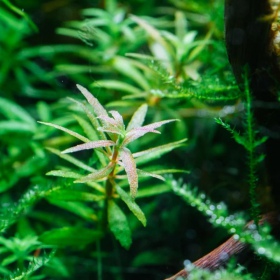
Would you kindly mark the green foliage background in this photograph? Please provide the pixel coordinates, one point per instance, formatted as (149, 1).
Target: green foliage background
(167, 54)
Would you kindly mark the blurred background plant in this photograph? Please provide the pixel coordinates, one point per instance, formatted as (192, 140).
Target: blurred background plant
(167, 54)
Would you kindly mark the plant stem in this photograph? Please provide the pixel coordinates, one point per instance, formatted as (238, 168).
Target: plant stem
(251, 155)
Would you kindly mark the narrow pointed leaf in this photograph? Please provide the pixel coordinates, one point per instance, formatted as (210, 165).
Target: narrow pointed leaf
(72, 160)
(73, 133)
(141, 131)
(89, 145)
(74, 195)
(157, 152)
(260, 141)
(91, 117)
(17, 127)
(138, 117)
(118, 118)
(117, 85)
(97, 175)
(64, 174)
(133, 207)
(112, 130)
(13, 111)
(92, 134)
(77, 208)
(128, 67)
(89, 131)
(97, 107)
(166, 171)
(154, 190)
(149, 174)
(153, 32)
(70, 236)
(129, 165)
(108, 121)
(118, 224)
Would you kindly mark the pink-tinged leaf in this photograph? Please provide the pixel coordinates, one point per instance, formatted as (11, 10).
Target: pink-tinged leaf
(138, 117)
(73, 133)
(107, 121)
(97, 175)
(129, 165)
(91, 117)
(141, 131)
(97, 107)
(119, 119)
(89, 145)
(110, 130)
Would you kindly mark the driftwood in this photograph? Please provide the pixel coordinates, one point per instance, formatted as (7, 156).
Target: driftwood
(219, 256)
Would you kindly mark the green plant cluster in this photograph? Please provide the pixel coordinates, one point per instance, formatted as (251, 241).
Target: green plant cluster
(88, 187)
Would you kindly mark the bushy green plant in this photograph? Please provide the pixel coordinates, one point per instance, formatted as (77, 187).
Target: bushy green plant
(110, 140)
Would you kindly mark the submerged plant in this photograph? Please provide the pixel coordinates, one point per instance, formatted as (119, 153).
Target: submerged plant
(110, 139)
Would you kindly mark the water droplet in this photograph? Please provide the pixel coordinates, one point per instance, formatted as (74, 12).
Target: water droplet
(220, 206)
(212, 207)
(261, 250)
(202, 196)
(257, 236)
(224, 256)
(236, 237)
(252, 226)
(188, 265)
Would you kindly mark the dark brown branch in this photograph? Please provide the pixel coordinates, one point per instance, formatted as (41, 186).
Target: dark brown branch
(219, 256)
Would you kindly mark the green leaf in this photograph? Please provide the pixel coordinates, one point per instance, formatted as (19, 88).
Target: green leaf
(73, 133)
(154, 153)
(154, 190)
(64, 174)
(133, 207)
(77, 208)
(167, 171)
(91, 117)
(7, 127)
(138, 117)
(125, 66)
(74, 195)
(260, 141)
(143, 173)
(117, 85)
(90, 132)
(149, 258)
(118, 224)
(13, 111)
(70, 236)
(97, 175)
(237, 137)
(71, 160)
(155, 34)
